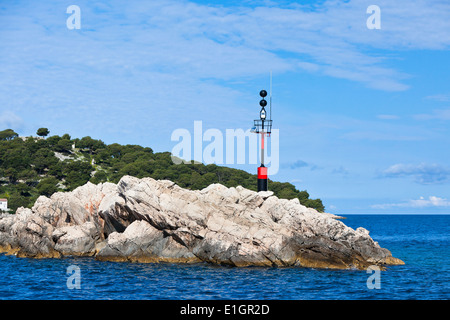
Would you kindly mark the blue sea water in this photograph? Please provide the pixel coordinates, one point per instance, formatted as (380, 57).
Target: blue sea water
(421, 241)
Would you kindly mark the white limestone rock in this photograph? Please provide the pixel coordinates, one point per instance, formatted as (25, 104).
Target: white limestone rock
(152, 221)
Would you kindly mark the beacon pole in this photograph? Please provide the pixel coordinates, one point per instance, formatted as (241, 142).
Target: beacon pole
(262, 170)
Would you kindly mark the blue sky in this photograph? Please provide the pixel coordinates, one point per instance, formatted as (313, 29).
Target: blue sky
(363, 114)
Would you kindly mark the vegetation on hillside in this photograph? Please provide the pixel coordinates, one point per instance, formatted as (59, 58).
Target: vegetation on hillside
(30, 167)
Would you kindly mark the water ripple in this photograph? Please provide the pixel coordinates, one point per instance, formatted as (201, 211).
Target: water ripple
(426, 275)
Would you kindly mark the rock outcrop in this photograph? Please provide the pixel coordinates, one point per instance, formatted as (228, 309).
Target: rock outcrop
(146, 220)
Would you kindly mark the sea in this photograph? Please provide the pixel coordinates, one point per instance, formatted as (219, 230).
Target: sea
(421, 241)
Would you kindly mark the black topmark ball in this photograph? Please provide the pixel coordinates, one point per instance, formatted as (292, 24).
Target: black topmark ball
(263, 93)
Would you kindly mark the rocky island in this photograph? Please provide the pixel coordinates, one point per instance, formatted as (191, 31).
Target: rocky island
(147, 220)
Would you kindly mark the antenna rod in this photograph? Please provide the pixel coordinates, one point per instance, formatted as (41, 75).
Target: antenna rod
(270, 98)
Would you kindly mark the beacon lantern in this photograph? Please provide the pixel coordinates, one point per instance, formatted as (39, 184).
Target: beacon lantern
(263, 126)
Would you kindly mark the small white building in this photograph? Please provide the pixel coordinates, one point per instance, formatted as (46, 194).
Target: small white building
(4, 204)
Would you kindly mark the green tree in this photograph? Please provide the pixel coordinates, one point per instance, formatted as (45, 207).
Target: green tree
(23, 189)
(30, 176)
(53, 141)
(314, 203)
(210, 178)
(114, 150)
(130, 169)
(287, 193)
(42, 132)
(184, 180)
(63, 145)
(16, 156)
(41, 144)
(90, 144)
(44, 159)
(77, 173)
(56, 170)
(48, 186)
(8, 134)
(99, 177)
(12, 175)
(16, 200)
(303, 195)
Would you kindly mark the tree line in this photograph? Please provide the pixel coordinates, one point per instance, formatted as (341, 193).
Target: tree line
(30, 167)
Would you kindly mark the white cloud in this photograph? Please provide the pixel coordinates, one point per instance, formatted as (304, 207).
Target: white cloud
(178, 58)
(422, 173)
(440, 114)
(340, 170)
(439, 97)
(432, 201)
(388, 117)
(224, 42)
(307, 66)
(378, 135)
(295, 165)
(9, 120)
